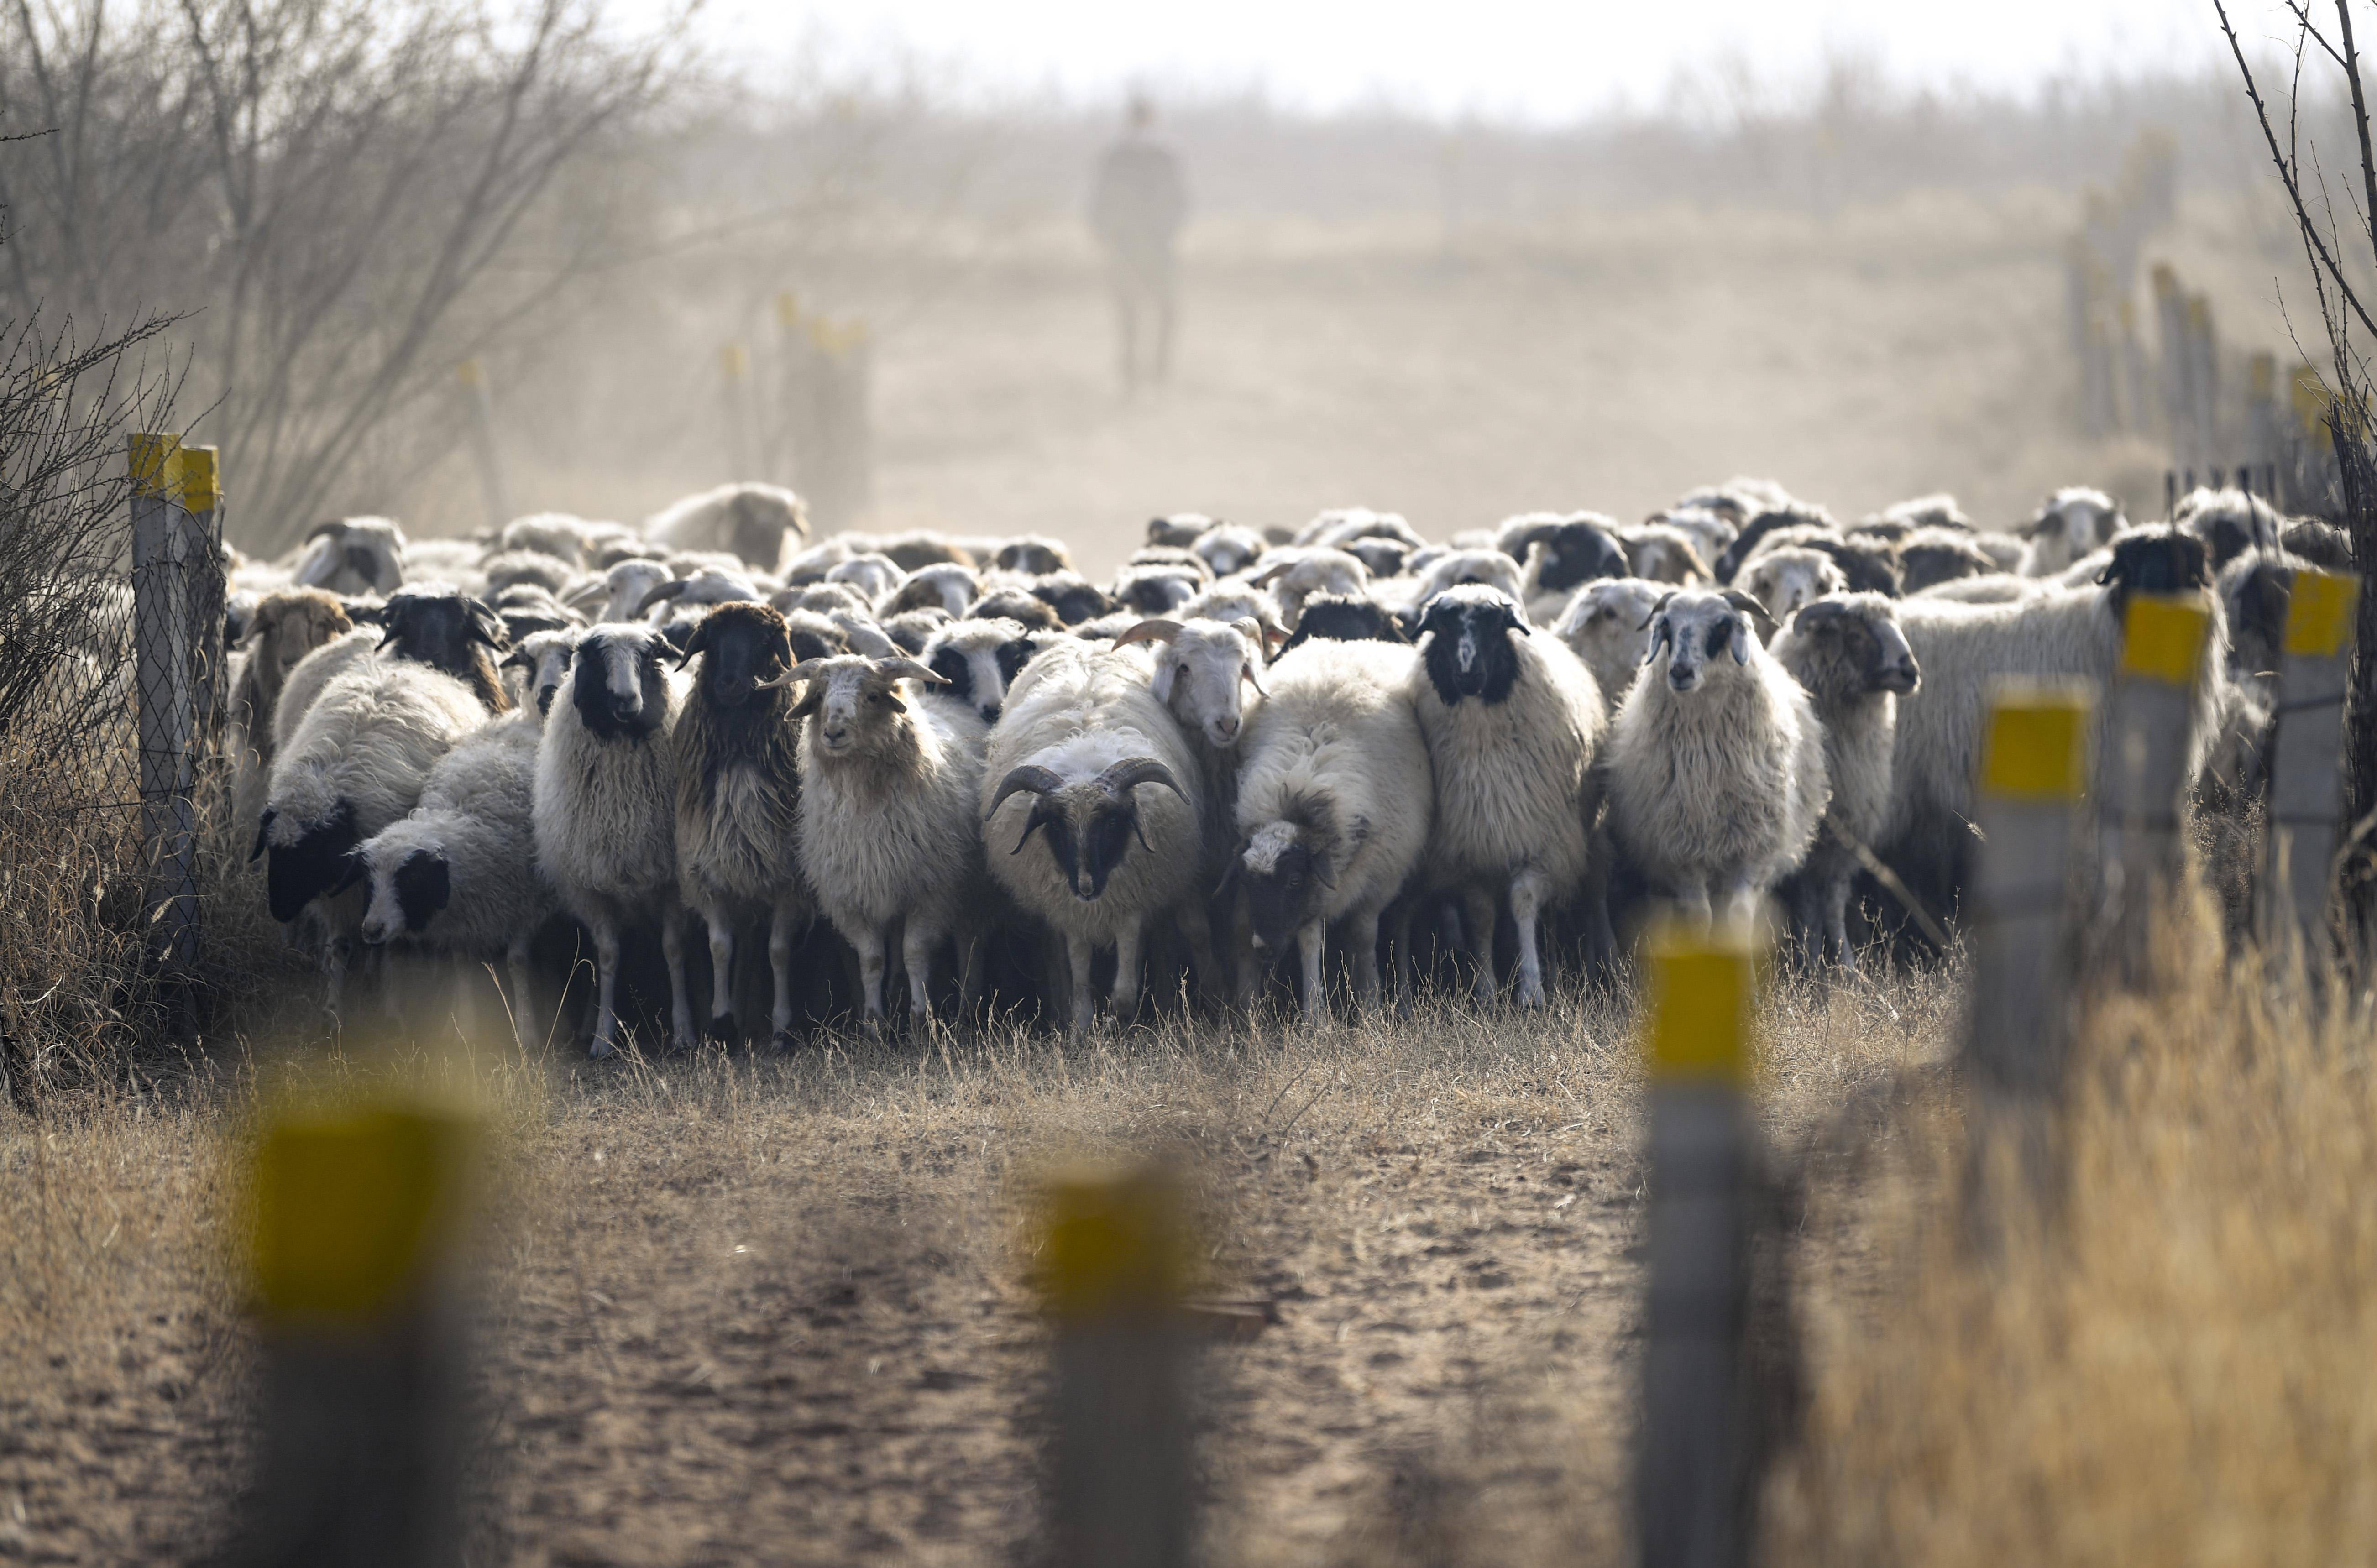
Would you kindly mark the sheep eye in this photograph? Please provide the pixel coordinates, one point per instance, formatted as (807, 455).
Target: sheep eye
(875, 697)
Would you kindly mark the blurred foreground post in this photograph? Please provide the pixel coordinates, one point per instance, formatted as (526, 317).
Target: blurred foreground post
(2306, 795)
(1694, 1491)
(734, 375)
(353, 1221)
(2143, 778)
(2034, 775)
(164, 658)
(1112, 1265)
(486, 452)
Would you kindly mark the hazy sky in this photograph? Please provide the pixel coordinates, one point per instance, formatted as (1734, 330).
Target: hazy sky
(1533, 59)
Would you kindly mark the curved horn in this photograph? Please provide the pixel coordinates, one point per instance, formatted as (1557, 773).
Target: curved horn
(805, 671)
(1153, 630)
(654, 594)
(1272, 572)
(487, 626)
(910, 669)
(1662, 604)
(1750, 607)
(586, 592)
(337, 526)
(1031, 775)
(1133, 771)
(1255, 632)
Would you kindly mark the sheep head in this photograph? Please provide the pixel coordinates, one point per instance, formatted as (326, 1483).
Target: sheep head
(1088, 824)
(2155, 560)
(406, 884)
(854, 702)
(763, 517)
(740, 645)
(1466, 644)
(306, 859)
(1033, 555)
(290, 624)
(1782, 580)
(1200, 669)
(1181, 530)
(1284, 868)
(1696, 625)
(1073, 598)
(545, 657)
(1225, 549)
(1566, 554)
(617, 684)
(1345, 618)
(978, 659)
(1854, 648)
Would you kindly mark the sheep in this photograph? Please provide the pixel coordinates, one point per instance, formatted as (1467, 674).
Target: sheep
(355, 764)
(1997, 588)
(1607, 624)
(555, 534)
(312, 674)
(604, 814)
(820, 597)
(1180, 529)
(449, 632)
(1763, 521)
(755, 522)
(1383, 557)
(2073, 522)
(940, 586)
(1512, 722)
(2255, 591)
(285, 628)
(1173, 555)
(525, 608)
(810, 566)
(1103, 764)
(696, 590)
(813, 635)
(976, 660)
(1073, 597)
(1931, 556)
(623, 586)
(1107, 627)
(923, 548)
(458, 872)
(2229, 522)
(1662, 553)
(1292, 575)
(1716, 760)
(1708, 532)
(1476, 568)
(505, 568)
(1334, 800)
(1236, 602)
(1339, 526)
(1937, 511)
(1014, 604)
(912, 629)
(1157, 589)
(734, 746)
(1782, 580)
(1560, 555)
(2323, 545)
(352, 556)
(543, 657)
(1345, 618)
(1849, 656)
(1228, 548)
(1965, 648)
(1035, 556)
(2006, 551)
(888, 798)
(1869, 565)
(875, 577)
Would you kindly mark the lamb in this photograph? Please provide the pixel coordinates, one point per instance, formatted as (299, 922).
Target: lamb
(1293, 575)
(2073, 522)
(755, 522)
(1849, 656)
(543, 657)
(603, 812)
(1964, 649)
(737, 761)
(1335, 798)
(285, 628)
(1716, 760)
(353, 765)
(352, 556)
(887, 820)
(1607, 624)
(1102, 765)
(1512, 723)
(458, 873)
(975, 662)
(1782, 580)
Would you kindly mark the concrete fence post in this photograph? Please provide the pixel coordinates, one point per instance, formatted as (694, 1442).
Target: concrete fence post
(1694, 1492)
(486, 452)
(354, 1218)
(2034, 780)
(2142, 779)
(163, 661)
(208, 592)
(2303, 824)
(1112, 1263)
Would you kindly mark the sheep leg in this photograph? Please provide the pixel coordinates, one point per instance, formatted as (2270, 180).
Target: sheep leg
(780, 961)
(464, 978)
(1126, 990)
(722, 972)
(1477, 913)
(868, 940)
(516, 968)
(1198, 929)
(970, 966)
(1310, 945)
(1600, 936)
(1361, 932)
(1836, 919)
(1692, 908)
(1079, 952)
(334, 970)
(1740, 905)
(606, 987)
(1528, 898)
(681, 1035)
(918, 944)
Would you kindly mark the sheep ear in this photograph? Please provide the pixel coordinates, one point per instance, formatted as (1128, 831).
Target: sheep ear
(1246, 674)
(1740, 641)
(810, 702)
(263, 827)
(351, 871)
(1162, 685)
(1664, 635)
(698, 643)
(1031, 824)
(487, 626)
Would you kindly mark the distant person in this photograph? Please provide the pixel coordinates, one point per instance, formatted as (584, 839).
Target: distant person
(1137, 208)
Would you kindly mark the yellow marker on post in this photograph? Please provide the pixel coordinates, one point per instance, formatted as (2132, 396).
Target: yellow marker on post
(350, 1213)
(1701, 996)
(201, 481)
(2320, 612)
(2164, 638)
(2037, 747)
(734, 361)
(156, 464)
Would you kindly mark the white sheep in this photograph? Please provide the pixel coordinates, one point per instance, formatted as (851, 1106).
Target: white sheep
(1227, 547)
(1512, 723)
(1335, 800)
(889, 796)
(1294, 574)
(1087, 760)
(543, 658)
(2073, 522)
(1849, 656)
(604, 810)
(1716, 760)
(351, 555)
(755, 522)
(1607, 624)
(1782, 580)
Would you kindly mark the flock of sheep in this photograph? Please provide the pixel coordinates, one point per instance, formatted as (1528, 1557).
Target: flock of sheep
(1340, 737)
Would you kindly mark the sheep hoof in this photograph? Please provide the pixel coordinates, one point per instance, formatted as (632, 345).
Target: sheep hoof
(599, 1049)
(722, 1030)
(783, 1041)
